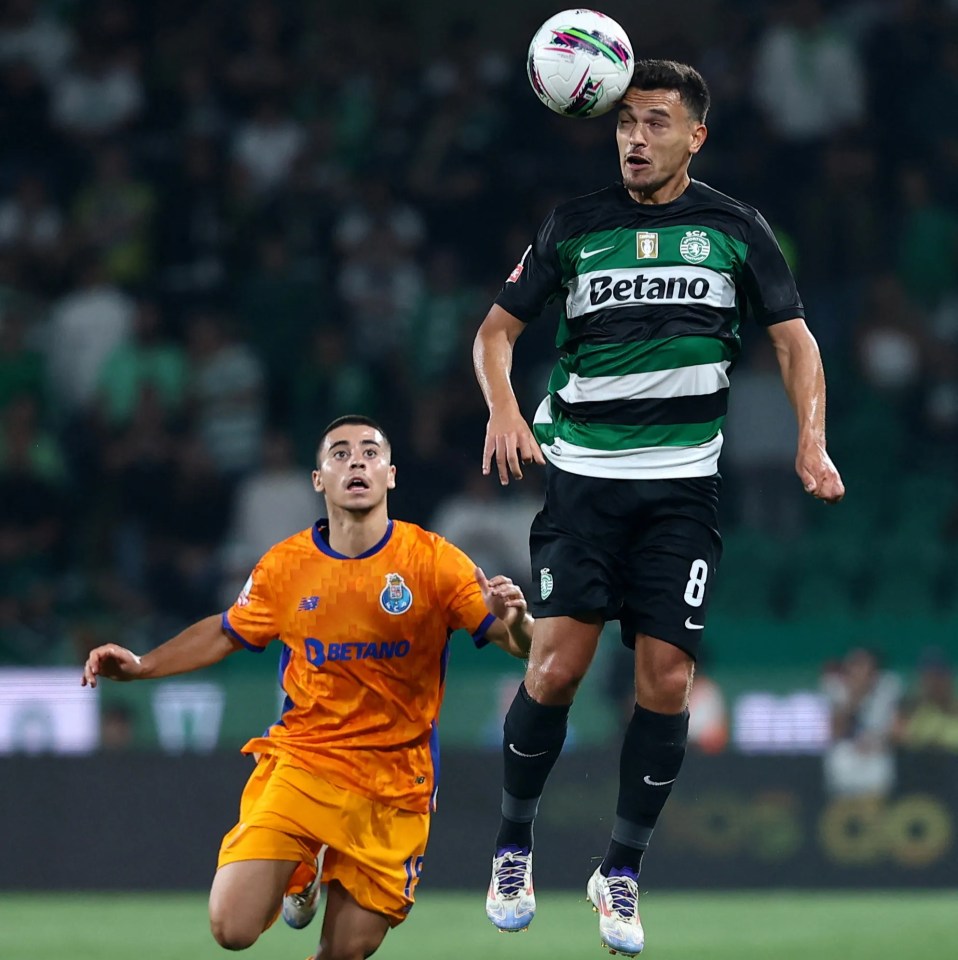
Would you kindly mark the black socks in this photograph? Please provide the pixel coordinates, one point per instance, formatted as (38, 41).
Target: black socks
(533, 735)
(652, 755)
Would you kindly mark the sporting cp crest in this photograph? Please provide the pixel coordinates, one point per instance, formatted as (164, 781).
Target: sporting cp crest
(397, 597)
(545, 583)
(695, 246)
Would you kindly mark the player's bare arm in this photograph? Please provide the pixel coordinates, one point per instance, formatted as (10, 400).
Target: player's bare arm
(512, 630)
(801, 365)
(200, 645)
(509, 438)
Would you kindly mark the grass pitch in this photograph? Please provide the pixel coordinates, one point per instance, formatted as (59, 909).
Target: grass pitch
(739, 926)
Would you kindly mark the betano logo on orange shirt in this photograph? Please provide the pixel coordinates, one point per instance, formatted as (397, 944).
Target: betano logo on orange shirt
(317, 653)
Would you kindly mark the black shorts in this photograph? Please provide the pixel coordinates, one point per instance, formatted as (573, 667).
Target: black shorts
(641, 551)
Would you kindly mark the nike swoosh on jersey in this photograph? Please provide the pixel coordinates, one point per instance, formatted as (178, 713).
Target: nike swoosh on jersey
(693, 626)
(528, 756)
(585, 254)
(658, 783)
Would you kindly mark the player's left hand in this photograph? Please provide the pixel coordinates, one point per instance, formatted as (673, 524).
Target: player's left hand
(502, 597)
(819, 476)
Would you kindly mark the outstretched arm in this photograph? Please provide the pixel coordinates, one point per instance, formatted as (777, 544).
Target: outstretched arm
(512, 629)
(508, 437)
(804, 379)
(200, 645)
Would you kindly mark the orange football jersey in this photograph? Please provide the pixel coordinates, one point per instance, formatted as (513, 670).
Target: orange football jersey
(363, 663)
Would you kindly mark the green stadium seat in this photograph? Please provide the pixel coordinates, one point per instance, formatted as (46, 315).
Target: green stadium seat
(902, 592)
(819, 595)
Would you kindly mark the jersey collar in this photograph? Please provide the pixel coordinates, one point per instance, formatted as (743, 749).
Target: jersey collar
(324, 547)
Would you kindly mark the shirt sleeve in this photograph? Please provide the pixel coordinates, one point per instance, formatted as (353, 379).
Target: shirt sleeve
(769, 284)
(460, 594)
(537, 277)
(252, 618)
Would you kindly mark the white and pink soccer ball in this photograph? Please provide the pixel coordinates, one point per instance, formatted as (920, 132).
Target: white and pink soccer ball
(580, 63)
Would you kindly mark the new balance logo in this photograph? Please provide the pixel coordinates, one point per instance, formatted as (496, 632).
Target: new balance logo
(308, 603)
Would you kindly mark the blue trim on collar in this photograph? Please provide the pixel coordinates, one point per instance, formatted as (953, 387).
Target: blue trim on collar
(324, 547)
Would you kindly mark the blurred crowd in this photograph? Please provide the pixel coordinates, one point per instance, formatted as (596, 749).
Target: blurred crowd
(222, 224)
(874, 716)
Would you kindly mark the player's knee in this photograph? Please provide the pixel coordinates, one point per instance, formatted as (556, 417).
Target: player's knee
(666, 689)
(554, 682)
(232, 933)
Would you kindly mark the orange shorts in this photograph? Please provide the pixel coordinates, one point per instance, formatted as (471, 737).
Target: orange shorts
(375, 851)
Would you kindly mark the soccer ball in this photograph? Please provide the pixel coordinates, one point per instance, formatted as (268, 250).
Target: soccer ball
(580, 63)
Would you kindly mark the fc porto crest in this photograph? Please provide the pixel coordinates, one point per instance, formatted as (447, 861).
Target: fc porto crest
(695, 246)
(397, 597)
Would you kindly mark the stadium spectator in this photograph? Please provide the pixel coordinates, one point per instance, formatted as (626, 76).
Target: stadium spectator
(100, 93)
(759, 448)
(928, 718)
(380, 285)
(267, 144)
(226, 392)
(192, 228)
(927, 242)
(860, 760)
(30, 221)
(85, 326)
(270, 504)
(491, 528)
(113, 215)
(276, 308)
(117, 727)
(330, 377)
(808, 77)
(21, 364)
(30, 34)
(34, 511)
(149, 360)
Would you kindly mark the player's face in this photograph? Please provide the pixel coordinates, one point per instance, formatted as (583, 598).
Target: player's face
(354, 471)
(656, 139)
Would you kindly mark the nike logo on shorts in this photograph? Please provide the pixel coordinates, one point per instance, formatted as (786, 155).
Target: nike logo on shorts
(693, 626)
(528, 756)
(585, 254)
(658, 783)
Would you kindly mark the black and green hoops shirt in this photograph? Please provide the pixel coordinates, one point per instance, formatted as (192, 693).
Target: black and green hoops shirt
(649, 331)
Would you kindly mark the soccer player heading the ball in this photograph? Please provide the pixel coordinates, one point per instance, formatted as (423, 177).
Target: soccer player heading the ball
(346, 778)
(656, 274)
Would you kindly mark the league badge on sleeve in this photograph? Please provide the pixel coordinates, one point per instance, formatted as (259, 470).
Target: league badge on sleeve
(397, 597)
(519, 267)
(243, 599)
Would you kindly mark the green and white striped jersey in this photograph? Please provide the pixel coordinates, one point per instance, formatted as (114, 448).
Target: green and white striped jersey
(654, 296)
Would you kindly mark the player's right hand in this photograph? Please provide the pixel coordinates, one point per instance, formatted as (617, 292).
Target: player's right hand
(110, 661)
(510, 440)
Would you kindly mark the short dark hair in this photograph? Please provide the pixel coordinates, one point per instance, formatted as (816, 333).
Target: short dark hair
(671, 75)
(358, 419)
